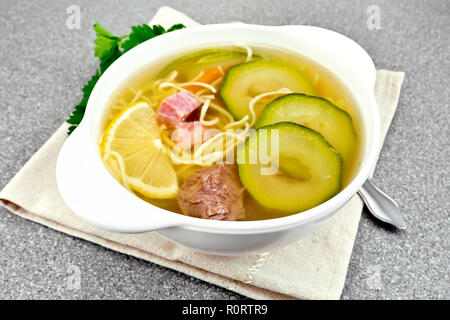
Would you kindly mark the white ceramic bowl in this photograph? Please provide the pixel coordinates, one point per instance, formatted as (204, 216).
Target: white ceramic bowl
(95, 196)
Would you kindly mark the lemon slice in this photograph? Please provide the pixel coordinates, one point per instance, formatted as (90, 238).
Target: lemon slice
(133, 140)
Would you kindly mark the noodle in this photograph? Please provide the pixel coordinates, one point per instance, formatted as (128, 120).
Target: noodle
(172, 76)
(152, 104)
(199, 84)
(207, 97)
(249, 50)
(260, 96)
(203, 114)
(221, 110)
(198, 76)
(136, 97)
(169, 84)
(213, 84)
(167, 140)
(237, 123)
(121, 167)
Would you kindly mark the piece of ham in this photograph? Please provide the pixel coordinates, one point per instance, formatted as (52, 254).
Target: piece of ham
(213, 193)
(180, 107)
(188, 134)
(180, 113)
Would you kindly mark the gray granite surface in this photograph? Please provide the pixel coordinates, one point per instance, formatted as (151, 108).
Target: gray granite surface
(43, 66)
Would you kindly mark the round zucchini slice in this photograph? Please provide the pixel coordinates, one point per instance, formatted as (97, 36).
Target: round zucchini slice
(316, 113)
(309, 168)
(245, 81)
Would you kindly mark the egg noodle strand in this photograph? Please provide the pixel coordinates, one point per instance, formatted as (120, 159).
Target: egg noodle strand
(259, 97)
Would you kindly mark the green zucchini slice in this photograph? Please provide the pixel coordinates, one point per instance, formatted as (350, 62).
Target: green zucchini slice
(309, 168)
(318, 114)
(245, 81)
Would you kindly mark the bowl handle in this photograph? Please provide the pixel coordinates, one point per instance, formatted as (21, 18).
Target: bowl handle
(347, 53)
(91, 192)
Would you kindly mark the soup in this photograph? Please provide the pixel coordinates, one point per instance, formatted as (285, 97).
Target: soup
(233, 133)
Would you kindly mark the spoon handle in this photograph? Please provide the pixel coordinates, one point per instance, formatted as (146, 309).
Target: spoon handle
(381, 205)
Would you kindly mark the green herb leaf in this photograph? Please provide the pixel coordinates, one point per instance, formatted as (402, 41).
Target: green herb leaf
(140, 34)
(108, 49)
(105, 63)
(87, 89)
(102, 32)
(176, 27)
(78, 113)
(106, 43)
(70, 130)
(158, 30)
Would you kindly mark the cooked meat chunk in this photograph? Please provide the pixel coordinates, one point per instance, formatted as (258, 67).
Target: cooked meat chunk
(213, 193)
(180, 107)
(192, 133)
(180, 113)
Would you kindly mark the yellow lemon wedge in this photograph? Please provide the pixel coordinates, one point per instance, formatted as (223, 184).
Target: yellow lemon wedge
(132, 140)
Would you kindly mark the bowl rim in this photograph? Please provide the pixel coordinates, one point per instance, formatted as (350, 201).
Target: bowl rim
(315, 214)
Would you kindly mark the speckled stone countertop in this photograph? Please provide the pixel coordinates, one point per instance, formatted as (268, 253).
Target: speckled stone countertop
(43, 66)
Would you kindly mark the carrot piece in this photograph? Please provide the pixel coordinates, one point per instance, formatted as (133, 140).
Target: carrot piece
(207, 77)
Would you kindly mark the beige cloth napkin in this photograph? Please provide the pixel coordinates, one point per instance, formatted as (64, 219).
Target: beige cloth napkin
(312, 268)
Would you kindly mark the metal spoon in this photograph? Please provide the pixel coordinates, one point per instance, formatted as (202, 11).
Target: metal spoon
(381, 205)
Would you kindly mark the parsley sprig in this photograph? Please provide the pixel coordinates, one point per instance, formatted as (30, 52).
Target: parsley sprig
(108, 48)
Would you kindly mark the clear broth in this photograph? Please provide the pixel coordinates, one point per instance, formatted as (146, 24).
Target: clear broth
(327, 84)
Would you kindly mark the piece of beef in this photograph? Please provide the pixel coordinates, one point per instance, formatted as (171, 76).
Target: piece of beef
(180, 107)
(213, 193)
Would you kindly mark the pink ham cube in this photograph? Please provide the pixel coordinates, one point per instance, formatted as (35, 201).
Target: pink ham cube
(180, 107)
(188, 134)
(181, 112)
